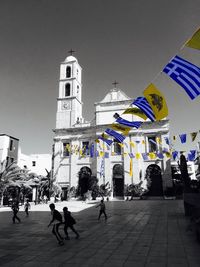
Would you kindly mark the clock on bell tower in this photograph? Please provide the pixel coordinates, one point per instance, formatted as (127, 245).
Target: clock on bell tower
(69, 101)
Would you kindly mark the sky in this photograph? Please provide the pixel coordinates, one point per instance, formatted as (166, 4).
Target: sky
(128, 41)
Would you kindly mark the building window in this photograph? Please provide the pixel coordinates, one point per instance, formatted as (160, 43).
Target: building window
(7, 161)
(66, 149)
(68, 72)
(77, 89)
(11, 145)
(152, 144)
(116, 147)
(33, 163)
(85, 148)
(11, 160)
(67, 89)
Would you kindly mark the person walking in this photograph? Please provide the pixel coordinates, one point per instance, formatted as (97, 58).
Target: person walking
(69, 221)
(27, 206)
(102, 209)
(56, 221)
(15, 209)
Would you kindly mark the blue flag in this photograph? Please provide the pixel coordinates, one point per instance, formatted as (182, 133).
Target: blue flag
(131, 155)
(191, 155)
(160, 155)
(186, 74)
(183, 138)
(145, 156)
(119, 137)
(92, 150)
(143, 104)
(167, 140)
(135, 124)
(174, 154)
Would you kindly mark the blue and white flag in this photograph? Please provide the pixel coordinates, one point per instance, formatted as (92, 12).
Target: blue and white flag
(135, 124)
(186, 74)
(119, 137)
(107, 141)
(143, 104)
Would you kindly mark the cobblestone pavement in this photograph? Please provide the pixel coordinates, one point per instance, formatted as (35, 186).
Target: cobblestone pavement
(137, 233)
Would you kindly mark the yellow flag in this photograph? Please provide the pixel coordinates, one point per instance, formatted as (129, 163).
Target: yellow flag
(194, 42)
(135, 111)
(131, 167)
(138, 155)
(143, 142)
(121, 144)
(156, 101)
(193, 135)
(152, 155)
(101, 153)
(118, 127)
(132, 144)
(158, 140)
(168, 154)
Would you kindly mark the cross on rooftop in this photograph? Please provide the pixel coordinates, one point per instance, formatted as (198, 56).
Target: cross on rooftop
(115, 83)
(71, 52)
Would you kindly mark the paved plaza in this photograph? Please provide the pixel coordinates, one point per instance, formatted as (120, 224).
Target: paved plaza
(137, 233)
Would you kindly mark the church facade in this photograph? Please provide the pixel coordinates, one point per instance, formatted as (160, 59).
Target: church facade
(118, 164)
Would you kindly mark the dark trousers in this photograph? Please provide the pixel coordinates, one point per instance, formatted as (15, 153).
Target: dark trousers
(72, 228)
(26, 210)
(55, 232)
(102, 212)
(15, 216)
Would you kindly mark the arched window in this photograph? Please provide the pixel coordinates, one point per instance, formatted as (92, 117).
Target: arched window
(68, 72)
(67, 89)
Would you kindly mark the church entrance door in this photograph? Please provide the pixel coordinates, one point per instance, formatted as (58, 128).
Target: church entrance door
(153, 173)
(118, 180)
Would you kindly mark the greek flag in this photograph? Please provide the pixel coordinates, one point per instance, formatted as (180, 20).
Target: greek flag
(119, 137)
(186, 74)
(135, 124)
(143, 104)
(107, 141)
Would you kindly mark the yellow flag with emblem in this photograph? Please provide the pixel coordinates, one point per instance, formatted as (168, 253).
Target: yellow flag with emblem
(156, 101)
(135, 111)
(118, 127)
(194, 41)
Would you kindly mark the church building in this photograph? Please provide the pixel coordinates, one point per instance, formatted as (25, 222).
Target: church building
(118, 164)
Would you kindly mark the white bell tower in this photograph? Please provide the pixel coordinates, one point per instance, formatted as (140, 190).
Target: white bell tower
(69, 102)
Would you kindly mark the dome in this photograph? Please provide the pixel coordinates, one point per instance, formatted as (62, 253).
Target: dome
(70, 58)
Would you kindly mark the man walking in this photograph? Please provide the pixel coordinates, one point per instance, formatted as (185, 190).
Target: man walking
(102, 209)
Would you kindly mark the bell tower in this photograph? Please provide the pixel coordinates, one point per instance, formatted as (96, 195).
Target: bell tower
(69, 101)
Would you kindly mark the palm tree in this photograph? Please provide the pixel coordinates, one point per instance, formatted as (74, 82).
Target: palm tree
(12, 175)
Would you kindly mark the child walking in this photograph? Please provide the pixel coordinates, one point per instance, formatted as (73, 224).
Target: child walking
(15, 209)
(56, 221)
(102, 209)
(27, 206)
(69, 221)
